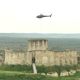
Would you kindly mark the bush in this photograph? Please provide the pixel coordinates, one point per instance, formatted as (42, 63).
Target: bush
(25, 68)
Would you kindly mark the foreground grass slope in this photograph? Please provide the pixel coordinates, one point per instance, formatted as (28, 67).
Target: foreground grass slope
(40, 69)
(24, 72)
(23, 76)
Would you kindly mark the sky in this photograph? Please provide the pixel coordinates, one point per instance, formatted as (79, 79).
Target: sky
(19, 16)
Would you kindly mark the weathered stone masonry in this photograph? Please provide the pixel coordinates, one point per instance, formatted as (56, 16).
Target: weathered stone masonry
(38, 49)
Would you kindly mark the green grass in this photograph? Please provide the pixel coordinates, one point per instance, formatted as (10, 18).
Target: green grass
(15, 75)
(21, 68)
(24, 72)
(40, 69)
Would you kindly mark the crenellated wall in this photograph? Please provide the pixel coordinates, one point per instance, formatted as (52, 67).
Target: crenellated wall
(46, 58)
(38, 49)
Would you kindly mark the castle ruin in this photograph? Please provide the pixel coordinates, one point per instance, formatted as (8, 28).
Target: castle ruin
(39, 54)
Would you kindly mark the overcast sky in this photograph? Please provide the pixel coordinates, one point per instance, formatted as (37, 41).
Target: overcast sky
(20, 16)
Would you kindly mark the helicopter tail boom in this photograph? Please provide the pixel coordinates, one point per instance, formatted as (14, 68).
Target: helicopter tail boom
(50, 15)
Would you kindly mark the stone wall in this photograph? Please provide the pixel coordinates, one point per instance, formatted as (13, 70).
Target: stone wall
(49, 58)
(78, 58)
(2, 56)
(14, 58)
(42, 57)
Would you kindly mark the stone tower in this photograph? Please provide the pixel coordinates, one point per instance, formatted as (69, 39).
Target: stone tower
(35, 45)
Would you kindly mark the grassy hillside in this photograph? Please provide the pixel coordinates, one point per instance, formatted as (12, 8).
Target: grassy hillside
(64, 43)
(24, 76)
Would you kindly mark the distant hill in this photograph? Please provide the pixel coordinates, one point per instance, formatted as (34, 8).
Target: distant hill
(39, 35)
(60, 42)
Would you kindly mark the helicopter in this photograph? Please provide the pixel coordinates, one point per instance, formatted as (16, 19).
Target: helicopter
(41, 16)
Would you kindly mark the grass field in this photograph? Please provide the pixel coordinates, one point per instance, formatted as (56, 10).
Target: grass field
(16, 75)
(24, 72)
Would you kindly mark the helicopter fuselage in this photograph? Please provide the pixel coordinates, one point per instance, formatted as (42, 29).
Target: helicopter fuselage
(41, 16)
